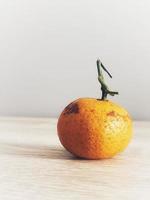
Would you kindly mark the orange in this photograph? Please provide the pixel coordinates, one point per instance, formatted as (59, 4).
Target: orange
(94, 129)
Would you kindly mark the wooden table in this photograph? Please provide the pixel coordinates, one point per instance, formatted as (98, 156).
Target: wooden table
(33, 165)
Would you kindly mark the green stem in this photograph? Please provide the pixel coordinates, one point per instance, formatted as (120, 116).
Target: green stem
(104, 87)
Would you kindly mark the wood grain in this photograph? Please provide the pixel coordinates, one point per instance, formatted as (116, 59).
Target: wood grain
(33, 165)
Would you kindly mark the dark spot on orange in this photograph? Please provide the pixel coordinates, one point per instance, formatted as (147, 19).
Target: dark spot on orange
(112, 114)
(115, 114)
(71, 108)
(92, 110)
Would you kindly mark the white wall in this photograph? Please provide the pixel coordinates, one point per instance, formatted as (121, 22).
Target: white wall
(48, 50)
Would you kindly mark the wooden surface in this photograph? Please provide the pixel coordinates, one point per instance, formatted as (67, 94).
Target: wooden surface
(33, 165)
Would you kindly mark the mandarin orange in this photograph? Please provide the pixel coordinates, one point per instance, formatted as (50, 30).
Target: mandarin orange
(95, 128)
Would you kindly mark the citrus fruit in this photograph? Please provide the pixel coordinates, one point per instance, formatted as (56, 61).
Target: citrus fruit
(93, 128)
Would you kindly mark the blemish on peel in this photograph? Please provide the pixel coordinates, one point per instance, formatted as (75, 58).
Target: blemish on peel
(71, 108)
(112, 114)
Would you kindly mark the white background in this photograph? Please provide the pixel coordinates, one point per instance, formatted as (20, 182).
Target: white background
(48, 51)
